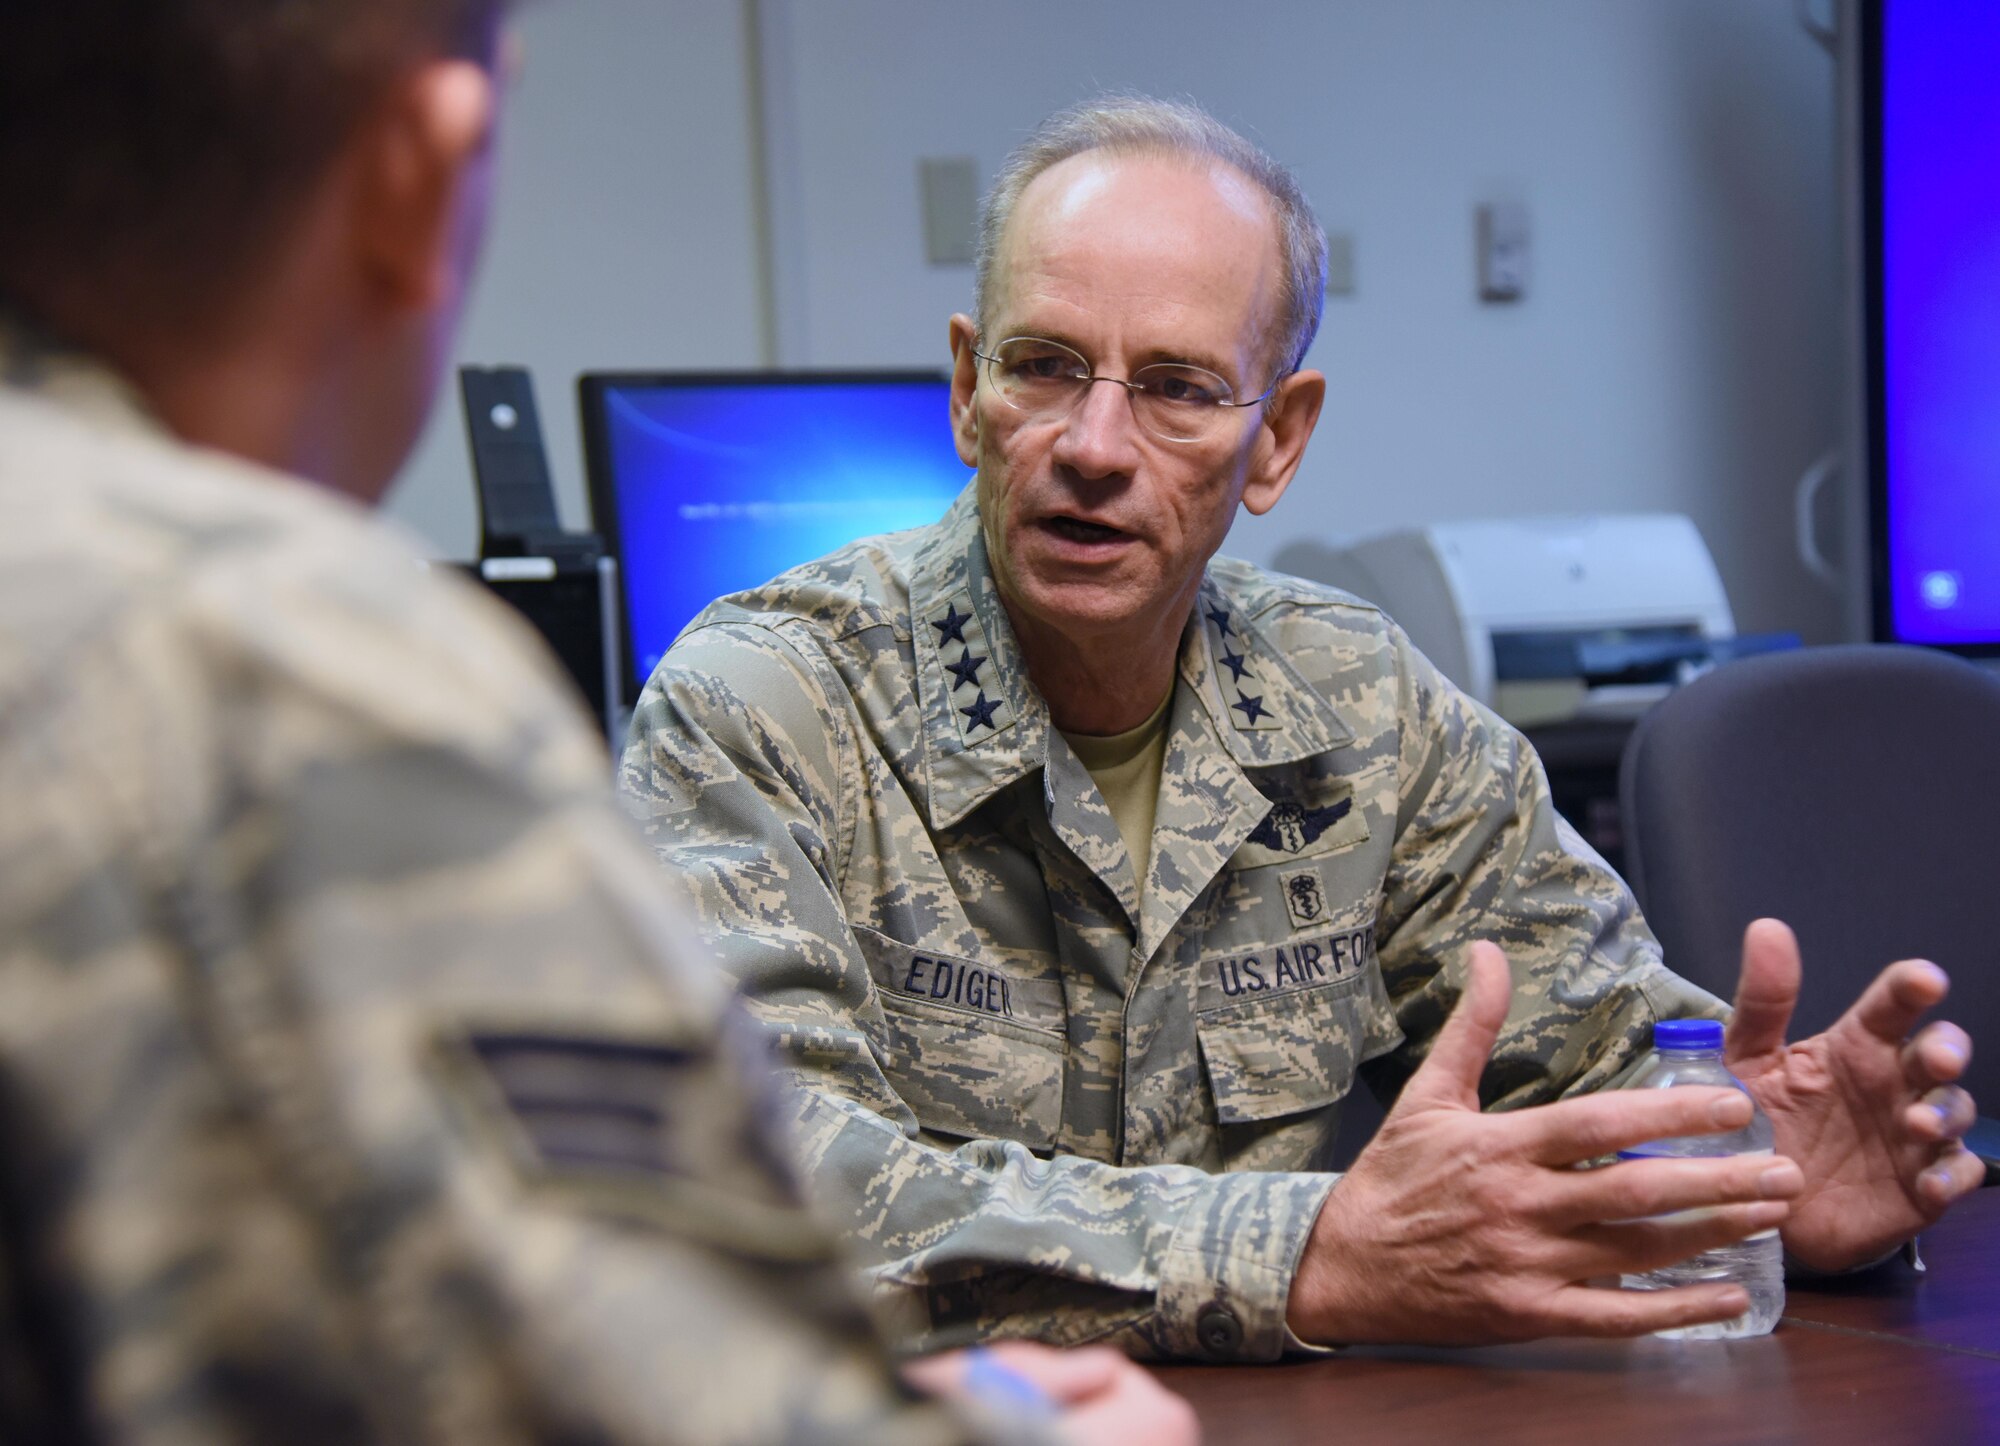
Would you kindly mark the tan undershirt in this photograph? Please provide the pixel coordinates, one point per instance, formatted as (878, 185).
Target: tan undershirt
(1126, 768)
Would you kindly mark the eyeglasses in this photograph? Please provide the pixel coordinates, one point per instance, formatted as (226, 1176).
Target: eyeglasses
(1172, 400)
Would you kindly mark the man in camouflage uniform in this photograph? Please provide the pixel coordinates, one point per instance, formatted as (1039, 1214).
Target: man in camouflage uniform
(354, 1084)
(1077, 1077)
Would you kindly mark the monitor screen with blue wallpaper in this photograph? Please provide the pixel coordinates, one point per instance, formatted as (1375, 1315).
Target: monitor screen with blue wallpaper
(1933, 129)
(708, 484)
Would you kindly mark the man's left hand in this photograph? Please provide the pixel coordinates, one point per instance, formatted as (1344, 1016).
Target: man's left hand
(1868, 1110)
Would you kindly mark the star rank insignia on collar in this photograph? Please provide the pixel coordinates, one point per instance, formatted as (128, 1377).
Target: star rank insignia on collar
(951, 627)
(1254, 712)
(981, 711)
(966, 670)
(960, 668)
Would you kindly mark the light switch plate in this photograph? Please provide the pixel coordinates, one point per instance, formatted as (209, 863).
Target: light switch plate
(1503, 251)
(950, 190)
(1340, 263)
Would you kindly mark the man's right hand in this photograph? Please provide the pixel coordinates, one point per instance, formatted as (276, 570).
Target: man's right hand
(1456, 1227)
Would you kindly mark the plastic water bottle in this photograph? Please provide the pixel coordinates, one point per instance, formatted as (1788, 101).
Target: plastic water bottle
(1689, 1052)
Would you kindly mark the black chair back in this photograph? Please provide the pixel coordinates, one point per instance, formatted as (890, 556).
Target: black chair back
(1853, 792)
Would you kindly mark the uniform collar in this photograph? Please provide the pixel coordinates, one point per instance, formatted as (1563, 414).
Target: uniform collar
(1260, 708)
(984, 724)
(35, 362)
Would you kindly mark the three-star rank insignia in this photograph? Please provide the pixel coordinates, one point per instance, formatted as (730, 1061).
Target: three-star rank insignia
(969, 672)
(1248, 696)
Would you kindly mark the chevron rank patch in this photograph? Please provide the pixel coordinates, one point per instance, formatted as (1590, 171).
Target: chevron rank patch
(580, 1103)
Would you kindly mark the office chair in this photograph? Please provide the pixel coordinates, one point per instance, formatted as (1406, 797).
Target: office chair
(1853, 792)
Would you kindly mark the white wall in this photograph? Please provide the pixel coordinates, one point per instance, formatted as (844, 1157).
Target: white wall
(1678, 349)
(623, 235)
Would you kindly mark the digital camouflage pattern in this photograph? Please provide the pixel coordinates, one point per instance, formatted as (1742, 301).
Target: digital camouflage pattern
(353, 1086)
(1040, 1110)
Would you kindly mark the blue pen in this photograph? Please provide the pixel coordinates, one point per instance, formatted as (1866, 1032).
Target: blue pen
(993, 1383)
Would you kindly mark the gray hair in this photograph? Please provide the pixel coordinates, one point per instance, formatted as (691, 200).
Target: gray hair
(1137, 124)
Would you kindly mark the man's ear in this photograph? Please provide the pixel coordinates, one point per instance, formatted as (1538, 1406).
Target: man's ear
(1289, 419)
(416, 162)
(964, 385)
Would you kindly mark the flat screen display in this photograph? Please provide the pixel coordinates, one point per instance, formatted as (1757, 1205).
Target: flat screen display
(1933, 92)
(706, 485)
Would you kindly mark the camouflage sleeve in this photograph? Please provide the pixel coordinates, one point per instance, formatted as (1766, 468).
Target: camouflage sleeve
(743, 765)
(358, 1087)
(1482, 854)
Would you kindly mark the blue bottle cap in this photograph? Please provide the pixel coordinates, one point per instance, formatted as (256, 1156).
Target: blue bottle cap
(1688, 1034)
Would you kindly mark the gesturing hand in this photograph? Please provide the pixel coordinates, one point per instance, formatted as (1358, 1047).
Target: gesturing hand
(1869, 1111)
(1456, 1227)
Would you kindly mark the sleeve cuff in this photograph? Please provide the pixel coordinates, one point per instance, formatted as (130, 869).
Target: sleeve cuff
(1227, 1276)
(1296, 1347)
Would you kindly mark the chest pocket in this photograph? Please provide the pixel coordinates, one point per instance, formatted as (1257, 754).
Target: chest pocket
(980, 1079)
(971, 1048)
(1287, 1053)
(1304, 827)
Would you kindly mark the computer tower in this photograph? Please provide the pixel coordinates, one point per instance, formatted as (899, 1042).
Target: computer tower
(564, 583)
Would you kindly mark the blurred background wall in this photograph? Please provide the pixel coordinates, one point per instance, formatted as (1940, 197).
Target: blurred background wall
(733, 183)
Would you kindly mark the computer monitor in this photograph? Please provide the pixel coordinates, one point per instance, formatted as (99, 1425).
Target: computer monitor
(1930, 187)
(708, 483)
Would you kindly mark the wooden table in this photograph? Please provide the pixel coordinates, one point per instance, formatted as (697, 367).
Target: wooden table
(1888, 1357)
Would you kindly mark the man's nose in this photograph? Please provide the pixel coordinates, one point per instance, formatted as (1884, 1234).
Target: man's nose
(1100, 436)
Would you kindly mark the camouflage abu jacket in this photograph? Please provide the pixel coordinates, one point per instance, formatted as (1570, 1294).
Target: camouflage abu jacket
(355, 1082)
(1040, 1110)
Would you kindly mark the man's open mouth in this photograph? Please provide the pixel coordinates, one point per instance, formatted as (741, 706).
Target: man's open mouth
(1075, 529)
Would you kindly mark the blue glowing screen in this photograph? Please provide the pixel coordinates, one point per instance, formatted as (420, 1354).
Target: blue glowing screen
(1940, 297)
(721, 485)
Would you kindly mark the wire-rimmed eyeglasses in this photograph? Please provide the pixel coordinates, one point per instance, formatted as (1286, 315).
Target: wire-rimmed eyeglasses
(1174, 401)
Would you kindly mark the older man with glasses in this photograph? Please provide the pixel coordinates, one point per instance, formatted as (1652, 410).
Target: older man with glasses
(1079, 873)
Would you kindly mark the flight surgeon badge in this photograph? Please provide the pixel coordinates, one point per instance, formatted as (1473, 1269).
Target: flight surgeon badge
(1289, 827)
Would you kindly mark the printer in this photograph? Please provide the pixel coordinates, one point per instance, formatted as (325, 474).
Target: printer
(1553, 619)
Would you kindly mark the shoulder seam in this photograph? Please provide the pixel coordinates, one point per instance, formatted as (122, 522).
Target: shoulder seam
(1283, 588)
(1333, 599)
(846, 809)
(781, 622)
